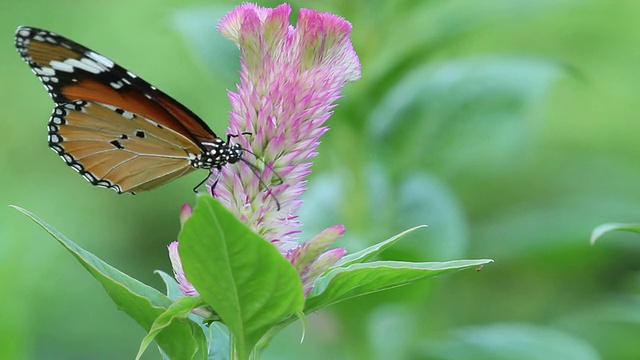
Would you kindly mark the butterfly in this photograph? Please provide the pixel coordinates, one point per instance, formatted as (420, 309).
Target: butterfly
(115, 129)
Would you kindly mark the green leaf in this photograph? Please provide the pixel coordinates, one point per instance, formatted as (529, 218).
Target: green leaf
(241, 275)
(360, 279)
(219, 342)
(180, 309)
(603, 229)
(173, 291)
(180, 340)
(371, 251)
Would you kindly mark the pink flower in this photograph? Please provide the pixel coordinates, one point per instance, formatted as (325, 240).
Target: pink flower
(290, 78)
(311, 258)
(184, 284)
(289, 81)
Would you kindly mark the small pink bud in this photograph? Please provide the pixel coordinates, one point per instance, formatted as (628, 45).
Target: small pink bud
(184, 284)
(185, 213)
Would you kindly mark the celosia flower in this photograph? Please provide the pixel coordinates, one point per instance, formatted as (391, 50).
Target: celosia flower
(290, 78)
(310, 258)
(184, 284)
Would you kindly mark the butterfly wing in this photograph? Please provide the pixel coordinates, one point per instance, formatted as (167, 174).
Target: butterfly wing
(98, 102)
(129, 153)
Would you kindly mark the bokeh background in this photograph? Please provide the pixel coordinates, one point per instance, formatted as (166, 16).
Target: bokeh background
(510, 127)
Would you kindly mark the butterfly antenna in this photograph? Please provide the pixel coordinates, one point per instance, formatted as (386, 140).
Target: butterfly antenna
(280, 181)
(229, 136)
(256, 171)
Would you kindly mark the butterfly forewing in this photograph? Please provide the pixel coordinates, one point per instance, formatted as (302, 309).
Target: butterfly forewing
(113, 127)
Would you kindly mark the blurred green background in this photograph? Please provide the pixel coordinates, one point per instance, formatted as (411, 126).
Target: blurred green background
(508, 126)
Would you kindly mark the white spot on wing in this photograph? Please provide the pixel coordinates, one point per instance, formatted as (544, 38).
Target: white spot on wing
(100, 59)
(24, 32)
(86, 64)
(46, 71)
(127, 115)
(61, 66)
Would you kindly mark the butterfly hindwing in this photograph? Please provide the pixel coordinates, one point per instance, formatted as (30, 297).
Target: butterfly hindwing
(129, 154)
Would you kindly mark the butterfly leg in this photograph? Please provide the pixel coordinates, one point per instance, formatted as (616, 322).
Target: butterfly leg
(195, 189)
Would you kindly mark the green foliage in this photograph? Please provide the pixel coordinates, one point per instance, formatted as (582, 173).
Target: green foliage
(604, 229)
(374, 250)
(253, 289)
(180, 309)
(242, 276)
(148, 307)
(360, 279)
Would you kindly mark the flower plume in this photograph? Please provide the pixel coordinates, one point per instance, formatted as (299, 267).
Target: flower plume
(290, 78)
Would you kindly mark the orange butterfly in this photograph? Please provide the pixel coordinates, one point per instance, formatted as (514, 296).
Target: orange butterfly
(114, 128)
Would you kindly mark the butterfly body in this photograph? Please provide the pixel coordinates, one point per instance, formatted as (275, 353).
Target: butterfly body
(111, 126)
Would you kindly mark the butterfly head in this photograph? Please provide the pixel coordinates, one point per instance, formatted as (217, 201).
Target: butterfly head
(235, 152)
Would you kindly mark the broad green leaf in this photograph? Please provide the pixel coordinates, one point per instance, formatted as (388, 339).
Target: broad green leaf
(603, 229)
(180, 309)
(180, 340)
(242, 276)
(371, 251)
(360, 279)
